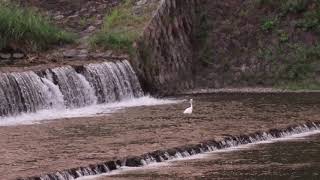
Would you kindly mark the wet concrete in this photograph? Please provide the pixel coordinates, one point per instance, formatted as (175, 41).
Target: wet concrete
(68, 143)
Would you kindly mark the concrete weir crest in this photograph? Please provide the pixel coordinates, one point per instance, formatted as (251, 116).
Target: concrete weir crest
(178, 152)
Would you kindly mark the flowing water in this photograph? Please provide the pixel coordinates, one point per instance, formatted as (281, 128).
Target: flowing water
(64, 92)
(92, 91)
(76, 147)
(289, 158)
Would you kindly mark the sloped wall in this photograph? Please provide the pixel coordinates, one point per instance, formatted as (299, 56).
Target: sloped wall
(165, 51)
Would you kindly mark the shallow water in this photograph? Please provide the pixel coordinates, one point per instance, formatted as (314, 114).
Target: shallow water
(296, 158)
(42, 147)
(88, 111)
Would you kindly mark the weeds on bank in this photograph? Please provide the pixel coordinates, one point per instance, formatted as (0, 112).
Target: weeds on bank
(304, 85)
(310, 21)
(122, 27)
(294, 66)
(287, 6)
(26, 27)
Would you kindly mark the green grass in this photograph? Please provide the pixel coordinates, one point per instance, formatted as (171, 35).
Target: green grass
(287, 6)
(269, 25)
(302, 62)
(310, 21)
(122, 27)
(294, 66)
(294, 6)
(304, 85)
(25, 27)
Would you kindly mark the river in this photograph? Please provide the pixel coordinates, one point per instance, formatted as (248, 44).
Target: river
(296, 158)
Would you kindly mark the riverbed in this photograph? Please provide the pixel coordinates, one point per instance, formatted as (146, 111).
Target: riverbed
(49, 146)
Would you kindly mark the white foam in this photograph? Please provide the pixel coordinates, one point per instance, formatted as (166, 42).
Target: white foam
(89, 111)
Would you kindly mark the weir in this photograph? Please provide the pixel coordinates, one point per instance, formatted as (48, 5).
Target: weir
(178, 152)
(67, 87)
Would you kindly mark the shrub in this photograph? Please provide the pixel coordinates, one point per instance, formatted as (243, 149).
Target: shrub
(301, 62)
(310, 21)
(122, 27)
(115, 40)
(27, 28)
(268, 25)
(294, 6)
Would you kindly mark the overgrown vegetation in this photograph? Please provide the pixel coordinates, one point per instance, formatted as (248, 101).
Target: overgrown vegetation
(269, 24)
(295, 63)
(287, 6)
(122, 27)
(310, 21)
(25, 27)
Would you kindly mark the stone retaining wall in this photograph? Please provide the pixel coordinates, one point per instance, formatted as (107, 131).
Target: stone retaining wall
(164, 60)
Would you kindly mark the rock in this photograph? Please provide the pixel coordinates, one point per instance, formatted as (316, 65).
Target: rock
(98, 22)
(91, 28)
(141, 2)
(70, 53)
(124, 56)
(5, 55)
(74, 16)
(108, 53)
(134, 161)
(83, 53)
(58, 17)
(18, 55)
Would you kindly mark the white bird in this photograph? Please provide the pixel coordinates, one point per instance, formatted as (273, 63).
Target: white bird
(189, 109)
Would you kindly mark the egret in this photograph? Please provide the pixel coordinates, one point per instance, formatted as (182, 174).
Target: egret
(189, 109)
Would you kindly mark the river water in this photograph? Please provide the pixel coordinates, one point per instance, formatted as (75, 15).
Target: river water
(34, 146)
(296, 158)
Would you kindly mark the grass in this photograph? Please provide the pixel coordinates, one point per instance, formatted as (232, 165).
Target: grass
(287, 6)
(294, 6)
(294, 66)
(304, 85)
(122, 27)
(302, 62)
(310, 21)
(268, 25)
(25, 27)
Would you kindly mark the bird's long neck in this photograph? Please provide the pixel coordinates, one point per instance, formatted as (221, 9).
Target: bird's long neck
(191, 103)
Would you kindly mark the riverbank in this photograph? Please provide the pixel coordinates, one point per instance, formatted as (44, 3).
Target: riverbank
(248, 90)
(30, 150)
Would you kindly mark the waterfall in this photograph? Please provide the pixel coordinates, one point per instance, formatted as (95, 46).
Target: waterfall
(67, 88)
(75, 88)
(113, 81)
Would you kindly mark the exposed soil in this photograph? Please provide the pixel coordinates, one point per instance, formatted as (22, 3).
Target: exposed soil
(41, 148)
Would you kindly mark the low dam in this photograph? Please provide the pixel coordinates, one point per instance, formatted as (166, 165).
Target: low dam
(113, 98)
(67, 87)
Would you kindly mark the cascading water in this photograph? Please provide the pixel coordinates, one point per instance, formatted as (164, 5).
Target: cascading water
(180, 152)
(24, 92)
(75, 88)
(66, 88)
(113, 81)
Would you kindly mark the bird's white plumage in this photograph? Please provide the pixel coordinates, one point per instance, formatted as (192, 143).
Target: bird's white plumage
(189, 109)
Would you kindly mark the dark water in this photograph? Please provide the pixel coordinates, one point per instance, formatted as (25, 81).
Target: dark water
(297, 158)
